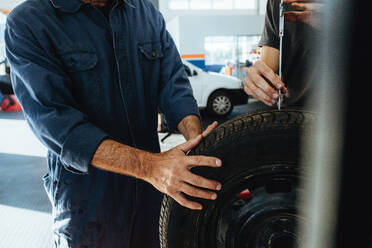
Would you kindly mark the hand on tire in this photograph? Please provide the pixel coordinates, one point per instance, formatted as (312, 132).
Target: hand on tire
(262, 83)
(170, 173)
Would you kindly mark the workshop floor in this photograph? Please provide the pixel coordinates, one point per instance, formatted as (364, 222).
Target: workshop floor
(25, 211)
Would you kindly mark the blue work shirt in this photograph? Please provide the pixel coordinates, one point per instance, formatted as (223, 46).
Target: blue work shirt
(82, 78)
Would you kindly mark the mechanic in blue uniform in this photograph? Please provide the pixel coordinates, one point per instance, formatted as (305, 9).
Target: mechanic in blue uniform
(90, 76)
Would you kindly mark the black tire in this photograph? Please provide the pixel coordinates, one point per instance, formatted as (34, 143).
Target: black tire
(261, 153)
(220, 103)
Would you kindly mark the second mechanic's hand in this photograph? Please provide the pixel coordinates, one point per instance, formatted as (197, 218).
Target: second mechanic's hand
(262, 83)
(306, 11)
(170, 173)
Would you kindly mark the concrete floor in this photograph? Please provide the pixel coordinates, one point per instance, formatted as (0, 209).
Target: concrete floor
(25, 211)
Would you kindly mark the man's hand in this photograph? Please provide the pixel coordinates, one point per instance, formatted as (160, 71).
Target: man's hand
(170, 173)
(307, 11)
(262, 83)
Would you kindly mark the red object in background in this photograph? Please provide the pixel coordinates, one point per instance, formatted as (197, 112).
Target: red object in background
(245, 195)
(13, 106)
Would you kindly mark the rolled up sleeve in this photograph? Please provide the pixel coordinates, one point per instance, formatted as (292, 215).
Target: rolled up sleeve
(176, 96)
(43, 89)
(270, 34)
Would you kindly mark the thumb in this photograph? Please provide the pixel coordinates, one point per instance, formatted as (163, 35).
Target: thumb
(187, 146)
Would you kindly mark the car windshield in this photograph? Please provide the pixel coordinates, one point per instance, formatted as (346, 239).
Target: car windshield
(2, 42)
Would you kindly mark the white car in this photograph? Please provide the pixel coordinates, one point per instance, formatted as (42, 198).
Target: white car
(216, 92)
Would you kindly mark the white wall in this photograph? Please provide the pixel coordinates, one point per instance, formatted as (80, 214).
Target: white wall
(173, 28)
(9, 4)
(169, 14)
(189, 31)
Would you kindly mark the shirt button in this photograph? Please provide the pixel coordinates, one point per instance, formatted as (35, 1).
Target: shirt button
(153, 54)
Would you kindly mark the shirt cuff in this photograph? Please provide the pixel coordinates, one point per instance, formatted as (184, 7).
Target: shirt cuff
(180, 110)
(80, 147)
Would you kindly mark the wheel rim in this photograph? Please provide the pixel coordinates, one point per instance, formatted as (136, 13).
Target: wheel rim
(221, 105)
(264, 218)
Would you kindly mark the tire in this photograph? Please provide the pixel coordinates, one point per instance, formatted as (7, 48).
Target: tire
(256, 206)
(220, 103)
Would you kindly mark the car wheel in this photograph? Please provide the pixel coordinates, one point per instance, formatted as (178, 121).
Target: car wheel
(256, 206)
(220, 104)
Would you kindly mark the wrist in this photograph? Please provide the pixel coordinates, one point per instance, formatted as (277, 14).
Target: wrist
(190, 127)
(146, 160)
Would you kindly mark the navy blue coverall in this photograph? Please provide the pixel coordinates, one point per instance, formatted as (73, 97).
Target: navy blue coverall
(82, 78)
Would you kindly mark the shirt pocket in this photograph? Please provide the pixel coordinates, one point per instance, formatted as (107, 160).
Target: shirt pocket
(81, 67)
(79, 61)
(150, 54)
(150, 57)
(151, 51)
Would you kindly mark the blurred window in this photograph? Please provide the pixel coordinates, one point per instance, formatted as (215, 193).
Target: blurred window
(200, 4)
(178, 4)
(223, 4)
(220, 50)
(231, 53)
(244, 4)
(212, 4)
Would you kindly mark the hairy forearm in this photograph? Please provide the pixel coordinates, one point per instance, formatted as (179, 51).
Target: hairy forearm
(126, 160)
(119, 158)
(190, 127)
